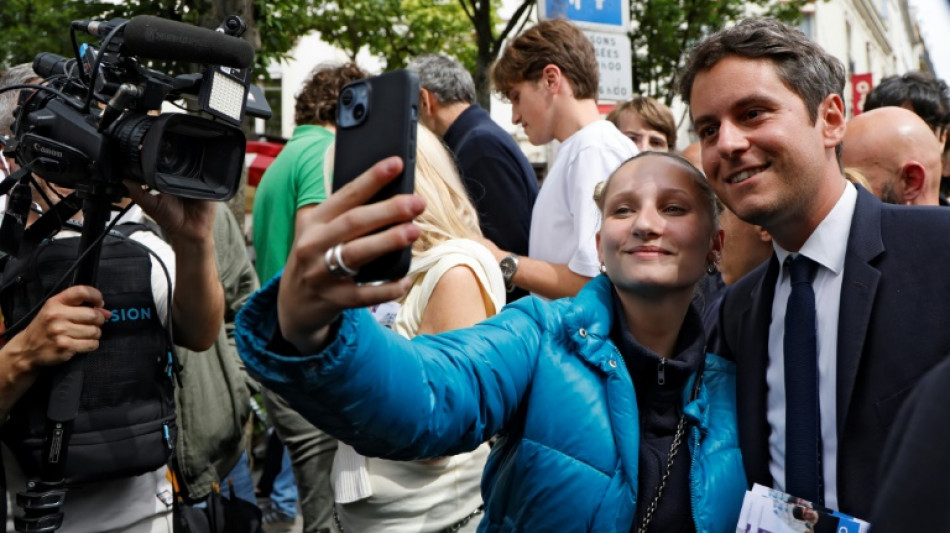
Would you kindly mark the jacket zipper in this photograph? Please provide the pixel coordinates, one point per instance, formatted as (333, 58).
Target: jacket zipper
(693, 478)
(693, 455)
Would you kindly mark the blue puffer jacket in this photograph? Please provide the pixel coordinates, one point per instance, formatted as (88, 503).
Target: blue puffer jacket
(543, 375)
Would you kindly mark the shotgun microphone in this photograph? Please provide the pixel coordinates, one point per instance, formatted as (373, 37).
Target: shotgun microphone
(157, 38)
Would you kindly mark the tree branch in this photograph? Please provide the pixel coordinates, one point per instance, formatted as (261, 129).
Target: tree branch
(512, 22)
(470, 13)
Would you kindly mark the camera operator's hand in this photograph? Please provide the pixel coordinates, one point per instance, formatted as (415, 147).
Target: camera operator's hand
(310, 296)
(68, 323)
(198, 304)
(182, 219)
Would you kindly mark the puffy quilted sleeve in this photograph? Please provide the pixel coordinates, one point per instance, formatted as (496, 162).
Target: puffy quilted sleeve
(390, 397)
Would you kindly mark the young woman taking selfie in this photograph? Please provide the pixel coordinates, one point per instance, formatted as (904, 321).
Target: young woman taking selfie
(610, 415)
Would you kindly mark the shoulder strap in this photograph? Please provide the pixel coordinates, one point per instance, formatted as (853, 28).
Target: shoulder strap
(51, 221)
(126, 229)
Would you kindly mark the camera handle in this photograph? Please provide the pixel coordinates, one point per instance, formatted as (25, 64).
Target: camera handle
(43, 499)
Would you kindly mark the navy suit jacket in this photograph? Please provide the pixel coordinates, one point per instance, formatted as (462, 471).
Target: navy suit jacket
(915, 467)
(498, 178)
(894, 325)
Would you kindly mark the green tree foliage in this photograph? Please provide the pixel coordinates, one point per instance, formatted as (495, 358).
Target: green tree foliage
(396, 30)
(489, 37)
(273, 26)
(28, 27)
(664, 30)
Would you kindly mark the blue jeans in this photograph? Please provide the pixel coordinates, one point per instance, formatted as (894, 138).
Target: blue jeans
(240, 477)
(284, 493)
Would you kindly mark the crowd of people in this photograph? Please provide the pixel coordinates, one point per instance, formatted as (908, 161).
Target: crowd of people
(627, 347)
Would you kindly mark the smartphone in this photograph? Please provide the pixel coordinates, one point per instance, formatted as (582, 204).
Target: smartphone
(376, 118)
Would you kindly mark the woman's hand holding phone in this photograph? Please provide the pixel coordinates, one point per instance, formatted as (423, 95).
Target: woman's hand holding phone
(317, 283)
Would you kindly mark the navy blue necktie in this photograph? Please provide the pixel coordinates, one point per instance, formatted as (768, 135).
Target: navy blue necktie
(802, 415)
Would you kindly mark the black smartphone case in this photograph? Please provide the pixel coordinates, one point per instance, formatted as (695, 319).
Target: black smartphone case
(388, 129)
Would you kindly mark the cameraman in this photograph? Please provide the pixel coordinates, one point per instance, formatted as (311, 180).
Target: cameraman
(70, 323)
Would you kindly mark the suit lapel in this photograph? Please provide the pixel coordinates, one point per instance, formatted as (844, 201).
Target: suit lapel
(752, 359)
(858, 289)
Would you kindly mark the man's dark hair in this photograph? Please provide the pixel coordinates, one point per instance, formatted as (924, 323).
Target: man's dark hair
(804, 66)
(316, 102)
(926, 96)
(444, 77)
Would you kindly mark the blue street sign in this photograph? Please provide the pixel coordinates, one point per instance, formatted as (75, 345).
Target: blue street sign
(602, 13)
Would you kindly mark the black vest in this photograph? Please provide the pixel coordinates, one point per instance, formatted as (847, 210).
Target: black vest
(126, 421)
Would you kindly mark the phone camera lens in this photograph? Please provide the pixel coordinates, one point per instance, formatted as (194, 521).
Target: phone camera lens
(358, 111)
(347, 97)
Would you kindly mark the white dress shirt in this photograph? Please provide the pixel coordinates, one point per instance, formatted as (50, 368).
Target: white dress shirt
(826, 246)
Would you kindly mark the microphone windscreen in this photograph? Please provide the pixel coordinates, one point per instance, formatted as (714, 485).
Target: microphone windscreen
(157, 38)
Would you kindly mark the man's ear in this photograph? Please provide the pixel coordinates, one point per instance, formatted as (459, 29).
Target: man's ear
(831, 116)
(426, 101)
(428, 107)
(552, 78)
(913, 176)
(763, 235)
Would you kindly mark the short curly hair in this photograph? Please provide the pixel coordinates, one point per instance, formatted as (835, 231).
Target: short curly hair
(316, 101)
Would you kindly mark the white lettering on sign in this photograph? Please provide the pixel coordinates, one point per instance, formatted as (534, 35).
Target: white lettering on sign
(598, 4)
(614, 60)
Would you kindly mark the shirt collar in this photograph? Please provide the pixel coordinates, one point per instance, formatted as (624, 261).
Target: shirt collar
(827, 245)
(464, 123)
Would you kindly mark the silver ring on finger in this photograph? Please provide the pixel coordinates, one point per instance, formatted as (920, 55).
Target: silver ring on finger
(335, 264)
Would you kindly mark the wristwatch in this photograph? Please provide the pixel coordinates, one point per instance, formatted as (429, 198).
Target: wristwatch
(509, 265)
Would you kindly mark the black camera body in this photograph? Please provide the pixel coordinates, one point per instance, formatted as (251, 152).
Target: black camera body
(100, 125)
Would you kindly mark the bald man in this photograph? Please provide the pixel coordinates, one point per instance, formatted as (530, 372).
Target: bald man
(898, 154)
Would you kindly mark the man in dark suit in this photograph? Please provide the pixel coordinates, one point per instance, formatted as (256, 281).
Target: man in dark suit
(766, 103)
(497, 175)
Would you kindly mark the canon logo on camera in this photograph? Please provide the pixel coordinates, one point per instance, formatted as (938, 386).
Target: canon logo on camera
(47, 151)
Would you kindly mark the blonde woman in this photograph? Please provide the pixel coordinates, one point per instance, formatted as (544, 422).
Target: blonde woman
(455, 283)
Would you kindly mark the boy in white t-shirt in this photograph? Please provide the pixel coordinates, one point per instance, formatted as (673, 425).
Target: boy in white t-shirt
(549, 74)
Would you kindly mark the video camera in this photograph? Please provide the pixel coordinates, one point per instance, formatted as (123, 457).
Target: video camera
(95, 122)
